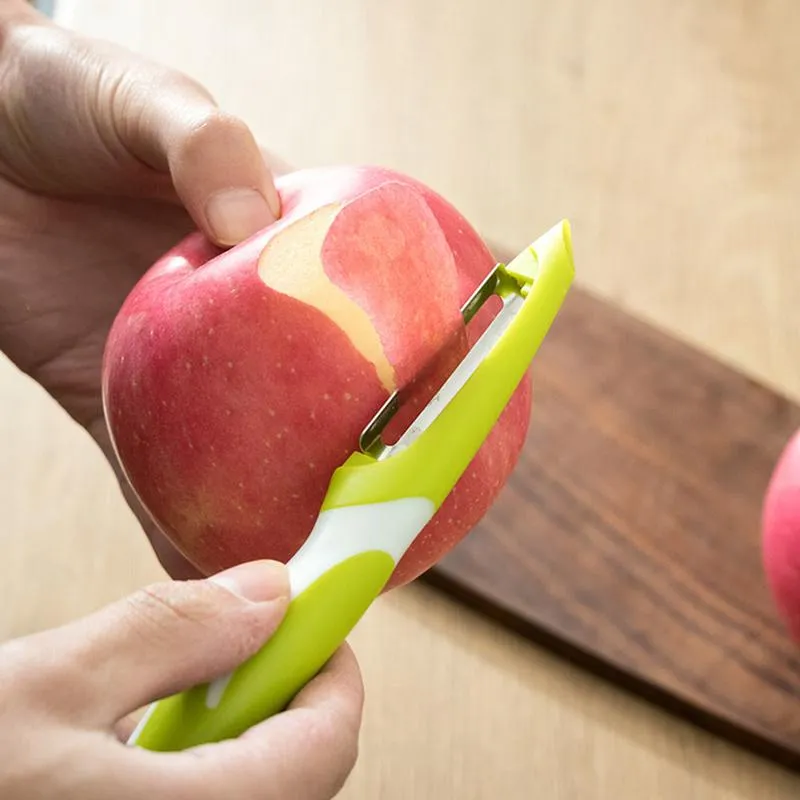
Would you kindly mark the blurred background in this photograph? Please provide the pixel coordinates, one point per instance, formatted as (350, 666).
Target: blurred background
(667, 132)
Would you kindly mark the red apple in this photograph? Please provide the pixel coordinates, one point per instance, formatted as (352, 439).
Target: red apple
(236, 382)
(781, 535)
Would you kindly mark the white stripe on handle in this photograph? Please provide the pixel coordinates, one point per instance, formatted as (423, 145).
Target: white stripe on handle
(341, 533)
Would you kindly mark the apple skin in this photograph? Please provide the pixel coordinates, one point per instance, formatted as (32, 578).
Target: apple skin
(236, 382)
(781, 535)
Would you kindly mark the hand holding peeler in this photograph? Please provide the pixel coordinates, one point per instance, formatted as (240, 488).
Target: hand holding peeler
(377, 503)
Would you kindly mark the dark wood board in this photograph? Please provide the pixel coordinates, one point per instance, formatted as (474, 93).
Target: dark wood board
(628, 537)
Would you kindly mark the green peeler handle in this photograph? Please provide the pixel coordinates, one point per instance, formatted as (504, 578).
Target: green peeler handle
(338, 573)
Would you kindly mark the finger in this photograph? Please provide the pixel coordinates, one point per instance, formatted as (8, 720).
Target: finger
(129, 127)
(307, 751)
(160, 640)
(216, 165)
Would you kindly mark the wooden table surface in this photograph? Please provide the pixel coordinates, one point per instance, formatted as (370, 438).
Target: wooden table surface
(667, 132)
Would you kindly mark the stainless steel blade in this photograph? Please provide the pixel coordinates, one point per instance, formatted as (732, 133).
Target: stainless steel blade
(371, 441)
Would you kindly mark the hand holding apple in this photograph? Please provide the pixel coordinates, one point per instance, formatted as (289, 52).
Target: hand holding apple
(236, 382)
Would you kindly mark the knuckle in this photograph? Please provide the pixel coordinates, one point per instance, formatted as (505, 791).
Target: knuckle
(196, 610)
(157, 609)
(216, 121)
(211, 125)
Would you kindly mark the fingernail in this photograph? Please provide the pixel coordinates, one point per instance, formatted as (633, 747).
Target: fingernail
(257, 581)
(235, 214)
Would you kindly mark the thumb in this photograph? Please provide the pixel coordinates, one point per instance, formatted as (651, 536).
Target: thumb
(168, 637)
(87, 117)
(217, 168)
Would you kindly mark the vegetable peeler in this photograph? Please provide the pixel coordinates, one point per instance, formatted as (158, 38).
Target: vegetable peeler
(377, 502)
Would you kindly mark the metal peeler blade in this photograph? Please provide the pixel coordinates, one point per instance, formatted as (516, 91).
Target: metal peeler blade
(371, 441)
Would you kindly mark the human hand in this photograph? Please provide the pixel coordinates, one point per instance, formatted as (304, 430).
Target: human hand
(66, 694)
(106, 161)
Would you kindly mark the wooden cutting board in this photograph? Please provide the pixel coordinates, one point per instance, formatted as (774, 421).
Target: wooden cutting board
(627, 539)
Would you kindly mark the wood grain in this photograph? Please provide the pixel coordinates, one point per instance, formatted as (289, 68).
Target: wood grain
(628, 537)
